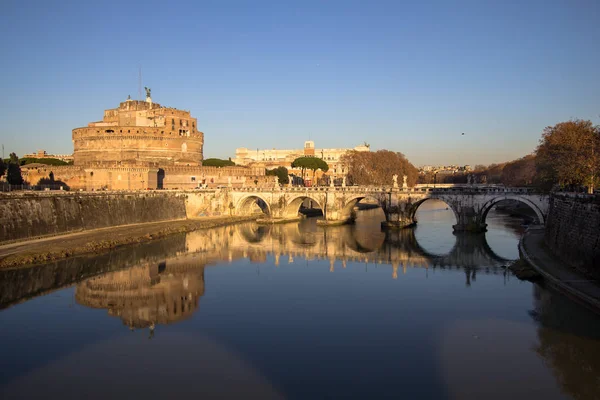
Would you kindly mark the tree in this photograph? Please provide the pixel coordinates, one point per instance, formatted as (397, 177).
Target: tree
(281, 173)
(519, 172)
(13, 175)
(378, 168)
(312, 163)
(2, 167)
(217, 162)
(47, 161)
(569, 155)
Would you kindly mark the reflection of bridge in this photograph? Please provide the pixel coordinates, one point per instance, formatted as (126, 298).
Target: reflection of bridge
(347, 243)
(169, 291)
(470, 203)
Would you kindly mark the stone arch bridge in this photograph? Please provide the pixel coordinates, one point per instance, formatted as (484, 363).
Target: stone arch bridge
(470, 203)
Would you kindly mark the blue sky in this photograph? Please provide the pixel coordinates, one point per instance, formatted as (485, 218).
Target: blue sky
(403, 76)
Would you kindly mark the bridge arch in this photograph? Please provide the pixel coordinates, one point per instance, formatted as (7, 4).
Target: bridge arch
(247, 205)
(348, 208)
(415, 206)
(488, 205)
(292, 208)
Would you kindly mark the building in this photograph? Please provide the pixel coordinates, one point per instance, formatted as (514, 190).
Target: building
(142, 145)
(44, 154)
(139, 132)
(273, 158)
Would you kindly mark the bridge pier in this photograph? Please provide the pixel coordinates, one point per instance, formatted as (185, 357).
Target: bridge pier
(469, 220)
(397, 210)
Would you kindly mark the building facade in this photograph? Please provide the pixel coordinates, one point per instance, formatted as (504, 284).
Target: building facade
(44, 154)
(273, 158)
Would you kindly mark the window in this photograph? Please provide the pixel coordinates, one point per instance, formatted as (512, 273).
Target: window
(193, 179)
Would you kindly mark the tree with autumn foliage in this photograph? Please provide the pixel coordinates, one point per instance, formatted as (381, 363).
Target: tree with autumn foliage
(519, 172)
(569, 155)
(378, 168)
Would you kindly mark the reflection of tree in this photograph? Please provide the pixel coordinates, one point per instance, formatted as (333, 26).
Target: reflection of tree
(569, 342)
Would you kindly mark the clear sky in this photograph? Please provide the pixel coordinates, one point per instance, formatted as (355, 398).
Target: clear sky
(404, 76)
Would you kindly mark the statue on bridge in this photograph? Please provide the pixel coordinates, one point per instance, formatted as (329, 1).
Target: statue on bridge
(395, 179)
(404, 184)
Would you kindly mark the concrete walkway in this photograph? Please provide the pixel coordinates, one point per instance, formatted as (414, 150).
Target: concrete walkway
(555, 272)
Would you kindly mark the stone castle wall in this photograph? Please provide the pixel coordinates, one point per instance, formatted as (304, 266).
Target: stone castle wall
(131, 144)
(181, 177)
(73, 177)
(573, 231)
(29, 215)
(139, 177)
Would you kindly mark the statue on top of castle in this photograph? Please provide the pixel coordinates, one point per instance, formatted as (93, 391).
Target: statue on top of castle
(148, 90)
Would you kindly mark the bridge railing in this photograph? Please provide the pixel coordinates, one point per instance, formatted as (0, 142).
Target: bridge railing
(387, 189)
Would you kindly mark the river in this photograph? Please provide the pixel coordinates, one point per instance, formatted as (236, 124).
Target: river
(301, 312)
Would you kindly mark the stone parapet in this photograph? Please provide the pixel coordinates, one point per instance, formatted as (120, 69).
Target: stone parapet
(573, 231)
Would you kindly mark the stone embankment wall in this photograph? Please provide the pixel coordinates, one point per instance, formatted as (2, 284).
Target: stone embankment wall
(30, 215)
(573, 231)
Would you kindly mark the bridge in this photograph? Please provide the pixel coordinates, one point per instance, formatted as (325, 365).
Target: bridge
(470, 203)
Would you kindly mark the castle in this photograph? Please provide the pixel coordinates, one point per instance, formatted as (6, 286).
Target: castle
(141, 145)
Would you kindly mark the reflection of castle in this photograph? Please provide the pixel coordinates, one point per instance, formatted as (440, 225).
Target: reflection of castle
(147, 294)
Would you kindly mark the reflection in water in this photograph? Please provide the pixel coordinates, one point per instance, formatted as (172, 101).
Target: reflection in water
(312, 309)
(168, 291)
(169, 269)
(143, 296)
(569, 342)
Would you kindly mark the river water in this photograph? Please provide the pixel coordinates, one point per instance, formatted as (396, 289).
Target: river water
(301, 312)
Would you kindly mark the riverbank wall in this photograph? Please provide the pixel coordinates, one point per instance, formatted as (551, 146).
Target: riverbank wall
(573, 231)
(32, 215)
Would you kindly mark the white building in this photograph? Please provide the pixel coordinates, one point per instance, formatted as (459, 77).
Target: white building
(273, 158)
